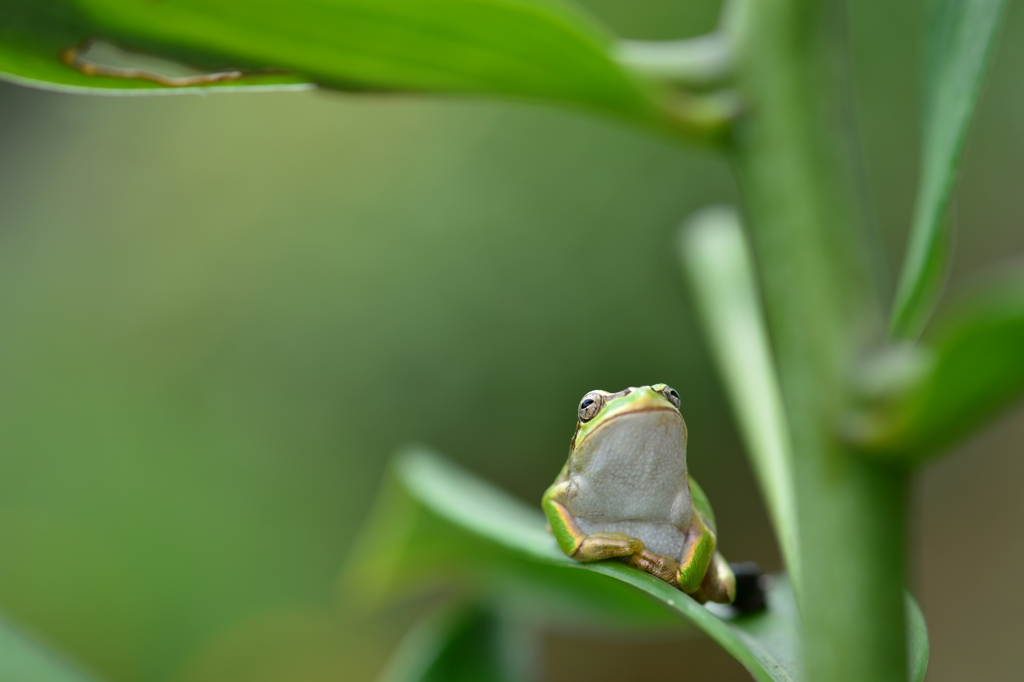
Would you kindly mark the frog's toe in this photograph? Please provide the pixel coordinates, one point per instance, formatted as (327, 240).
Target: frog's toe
(598, 546)
(659, 565)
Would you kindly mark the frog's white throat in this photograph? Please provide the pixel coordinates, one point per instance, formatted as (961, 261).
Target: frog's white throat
(631, 474)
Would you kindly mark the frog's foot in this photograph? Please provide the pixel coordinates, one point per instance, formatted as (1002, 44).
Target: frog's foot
(659, 565)
(598, 546)
(719, 584)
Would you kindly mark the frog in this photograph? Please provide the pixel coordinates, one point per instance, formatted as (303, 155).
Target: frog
(625, 494)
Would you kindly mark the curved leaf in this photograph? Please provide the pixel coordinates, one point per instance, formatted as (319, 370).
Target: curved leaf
(720, 271)
(960, 37)
(457, 645)
(34, 34)
(437, 519)
(917, 644)
(543, 50)
(968, 368)
(407, 546)
(23, 659)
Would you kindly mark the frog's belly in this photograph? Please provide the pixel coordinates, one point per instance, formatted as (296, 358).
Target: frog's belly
(660, 538)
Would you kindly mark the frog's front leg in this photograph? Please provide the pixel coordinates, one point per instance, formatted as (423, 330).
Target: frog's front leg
(573, 541)
(698, 554)
(704, 573)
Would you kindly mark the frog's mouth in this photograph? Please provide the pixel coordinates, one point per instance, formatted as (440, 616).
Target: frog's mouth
(628, 413)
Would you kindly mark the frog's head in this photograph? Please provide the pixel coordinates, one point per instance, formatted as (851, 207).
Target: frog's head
(601, 412)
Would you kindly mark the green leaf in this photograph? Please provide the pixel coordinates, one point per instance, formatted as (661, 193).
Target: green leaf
(437, 520)
(960, 38)
(968, 368)
(720, 271)
(542, 50)
(410, 544)
(23, 659)
(34, 34)
(465, 644)
(917, 645)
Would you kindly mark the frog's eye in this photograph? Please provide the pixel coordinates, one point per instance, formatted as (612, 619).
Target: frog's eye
(671, 395)
(590, 406)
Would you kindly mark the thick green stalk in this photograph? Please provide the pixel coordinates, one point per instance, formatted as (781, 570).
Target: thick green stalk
(794, 170)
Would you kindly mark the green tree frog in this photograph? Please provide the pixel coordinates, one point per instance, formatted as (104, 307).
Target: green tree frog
(625, 493)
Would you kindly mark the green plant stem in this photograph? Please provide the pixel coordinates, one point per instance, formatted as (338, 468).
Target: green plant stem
(794, 172)
(696, 63)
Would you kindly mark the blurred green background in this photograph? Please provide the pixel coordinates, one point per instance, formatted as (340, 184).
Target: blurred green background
(220, 315)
